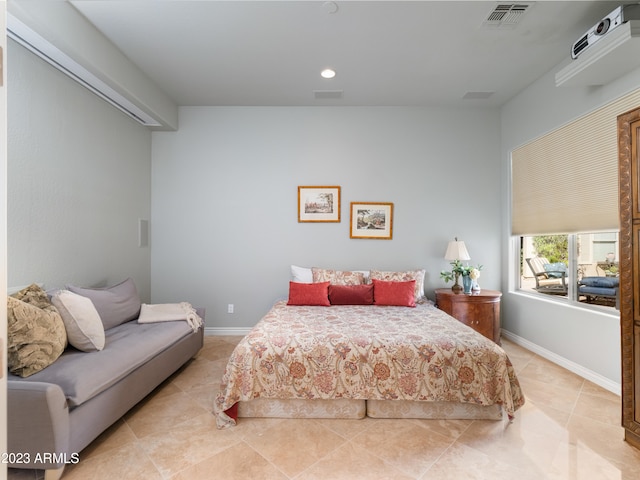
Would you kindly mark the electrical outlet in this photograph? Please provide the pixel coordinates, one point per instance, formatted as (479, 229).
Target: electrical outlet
(230, 308)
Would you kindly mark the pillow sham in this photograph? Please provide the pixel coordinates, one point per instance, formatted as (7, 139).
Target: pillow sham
(417, 275)
(337, 277)
(116, 304)
(316, 294)
(400, 294)
(351, 294)
(36, 336)
(81, 319)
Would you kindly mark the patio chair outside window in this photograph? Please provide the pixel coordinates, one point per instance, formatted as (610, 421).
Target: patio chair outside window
(551, 278)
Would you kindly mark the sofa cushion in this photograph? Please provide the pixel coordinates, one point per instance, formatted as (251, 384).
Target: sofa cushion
(116, 304)
(128, 346)
(36, 296)
(555, 270)
(598, 291)
(603, 282)
(36, 336)
(81, 320)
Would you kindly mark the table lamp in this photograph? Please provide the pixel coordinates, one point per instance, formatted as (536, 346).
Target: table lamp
(456, 250)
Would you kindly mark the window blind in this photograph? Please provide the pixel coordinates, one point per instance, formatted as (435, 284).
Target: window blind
(567, 181)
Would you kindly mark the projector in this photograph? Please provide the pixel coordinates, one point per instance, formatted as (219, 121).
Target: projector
(616, 18)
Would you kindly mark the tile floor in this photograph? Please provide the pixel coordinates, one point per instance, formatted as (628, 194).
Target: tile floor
(568, 429)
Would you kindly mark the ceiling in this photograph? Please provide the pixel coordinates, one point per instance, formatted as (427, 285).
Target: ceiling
(385, 53)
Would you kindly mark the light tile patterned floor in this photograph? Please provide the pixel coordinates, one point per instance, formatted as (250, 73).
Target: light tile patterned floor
(568, 429)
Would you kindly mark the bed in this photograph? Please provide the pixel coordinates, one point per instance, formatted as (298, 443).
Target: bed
(382, 360)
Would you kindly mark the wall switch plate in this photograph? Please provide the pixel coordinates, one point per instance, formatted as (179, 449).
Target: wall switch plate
(230, 308)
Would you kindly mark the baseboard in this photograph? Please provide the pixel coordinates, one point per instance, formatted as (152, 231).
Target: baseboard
(585, 373)
(227, 331)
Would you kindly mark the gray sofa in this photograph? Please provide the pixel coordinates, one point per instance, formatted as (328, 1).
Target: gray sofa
(55, 413)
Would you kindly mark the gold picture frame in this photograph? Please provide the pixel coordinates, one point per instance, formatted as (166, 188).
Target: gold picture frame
(371, 220)
(319, 204)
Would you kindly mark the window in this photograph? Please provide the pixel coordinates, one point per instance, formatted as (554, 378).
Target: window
(580, 268)
(567, 181)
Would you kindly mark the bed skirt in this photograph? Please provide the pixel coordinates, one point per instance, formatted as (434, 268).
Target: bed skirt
(355, 409)
(432, 410)
(298, 408)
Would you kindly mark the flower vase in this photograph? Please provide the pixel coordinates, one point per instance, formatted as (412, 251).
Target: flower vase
(466, 284)
(474, 286)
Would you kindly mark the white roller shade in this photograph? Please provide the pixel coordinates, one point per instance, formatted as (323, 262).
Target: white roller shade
(567, 180)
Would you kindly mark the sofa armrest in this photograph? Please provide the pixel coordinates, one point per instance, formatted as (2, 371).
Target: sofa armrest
(37, 424)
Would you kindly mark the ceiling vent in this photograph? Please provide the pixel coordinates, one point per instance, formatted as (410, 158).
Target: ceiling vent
(327, 94)
(477, 95)
(25, 36)
(506, 15)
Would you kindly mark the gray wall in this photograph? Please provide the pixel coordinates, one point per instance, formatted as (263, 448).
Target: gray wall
(224, 190)
(78, 180)
(585, 341)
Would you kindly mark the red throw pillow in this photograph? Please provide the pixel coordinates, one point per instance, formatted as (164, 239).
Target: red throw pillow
(309, 294)
(401, 294)
(351, 294)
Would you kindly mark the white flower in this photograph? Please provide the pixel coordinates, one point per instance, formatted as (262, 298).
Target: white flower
(474, 274)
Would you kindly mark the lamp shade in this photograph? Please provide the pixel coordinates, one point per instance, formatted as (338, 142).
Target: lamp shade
(456, 250)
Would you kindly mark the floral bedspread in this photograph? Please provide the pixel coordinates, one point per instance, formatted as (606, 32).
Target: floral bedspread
(366, 352)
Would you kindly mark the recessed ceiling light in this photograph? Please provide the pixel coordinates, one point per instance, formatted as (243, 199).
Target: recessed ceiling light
(328, 73)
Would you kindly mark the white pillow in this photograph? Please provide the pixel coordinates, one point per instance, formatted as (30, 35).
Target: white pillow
(301, 274)
(81, 320)
(366, 274)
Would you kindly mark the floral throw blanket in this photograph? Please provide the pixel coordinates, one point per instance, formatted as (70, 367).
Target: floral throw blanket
(366, 352)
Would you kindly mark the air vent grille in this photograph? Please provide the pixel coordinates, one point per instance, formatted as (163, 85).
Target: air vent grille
(477, 95)
(506, 15)
(327, 94)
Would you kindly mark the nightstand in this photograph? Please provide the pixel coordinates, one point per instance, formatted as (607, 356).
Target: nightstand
(479, 310)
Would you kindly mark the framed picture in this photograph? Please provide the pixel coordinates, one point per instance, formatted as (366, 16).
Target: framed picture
(371, 220)
(318, 204)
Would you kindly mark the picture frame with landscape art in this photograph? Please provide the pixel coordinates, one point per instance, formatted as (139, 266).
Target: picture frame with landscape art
(319, 204)
(372, 220)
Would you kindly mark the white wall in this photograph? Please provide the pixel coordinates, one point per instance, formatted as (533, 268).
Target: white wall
(79, 179)
(574, 336)
(224, 190)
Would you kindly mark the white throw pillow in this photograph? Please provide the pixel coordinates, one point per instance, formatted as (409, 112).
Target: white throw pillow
(301, 274)
(81, 320)
(366, 274)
